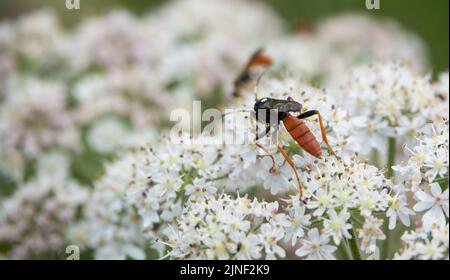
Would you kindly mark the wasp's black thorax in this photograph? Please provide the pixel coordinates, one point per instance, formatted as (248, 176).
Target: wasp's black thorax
(266, 106)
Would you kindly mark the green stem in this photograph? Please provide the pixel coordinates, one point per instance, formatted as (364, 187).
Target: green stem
(343, 250)
(390, 157)
(353, 243)
(389, 174)
(442, 181)
(375, 158)
(386, 244)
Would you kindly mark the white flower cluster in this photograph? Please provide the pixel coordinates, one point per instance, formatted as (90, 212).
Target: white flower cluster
(426, 175)
(34, 117)
(343, 199)
(341, 126)
(428, 160)
(169, 178)
(33, 221)
(117, 75)
(165, 175)
(108, 226)
(425, 245)
(195, 221)
(391, 101)
(326, 51)
(226, 228)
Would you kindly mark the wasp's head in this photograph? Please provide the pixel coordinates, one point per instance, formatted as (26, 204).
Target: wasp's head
(262, 104)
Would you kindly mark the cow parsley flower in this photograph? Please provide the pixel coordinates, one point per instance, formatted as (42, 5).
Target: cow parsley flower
(110, 226)
(299, 221)
(341, 42)
(428, 160)
(435, 204)
(353, 39)
(34, 220)
(38, 37)
(35, 117)
(425, 244)
(394, 102)
(370, 233)
(398, 208)
(316, 247)
(105, 136)
(337, 226)
(220, 228)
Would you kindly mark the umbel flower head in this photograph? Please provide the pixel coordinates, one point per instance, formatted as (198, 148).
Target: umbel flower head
(35, 218)
(227, 228)
(424, 244)
(175, 193)
(428, 160)
(391, 100)
(426, 173)
(34, 120)
(327, 51)
(109, 227)
(34, 117)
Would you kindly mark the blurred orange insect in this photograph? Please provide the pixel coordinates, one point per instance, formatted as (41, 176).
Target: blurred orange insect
(256, 61)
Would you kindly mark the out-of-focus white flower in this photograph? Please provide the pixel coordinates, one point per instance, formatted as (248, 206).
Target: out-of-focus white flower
(436, 205)
(106, 135)
(353, 39)
(425, 244)
(37, 35)
(112, 41)
(54, 164)
(341, 42)
(441, 88)
(202, 48)
(34, 117)
(110, 226)
(12, 163)
(35, 218)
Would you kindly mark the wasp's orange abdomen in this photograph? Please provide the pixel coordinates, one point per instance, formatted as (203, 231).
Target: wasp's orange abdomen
(303, 135)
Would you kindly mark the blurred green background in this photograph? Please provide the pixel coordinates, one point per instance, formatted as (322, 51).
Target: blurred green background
(429, 19)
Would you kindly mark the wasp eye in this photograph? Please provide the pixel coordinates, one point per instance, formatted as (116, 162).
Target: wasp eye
(263, 100)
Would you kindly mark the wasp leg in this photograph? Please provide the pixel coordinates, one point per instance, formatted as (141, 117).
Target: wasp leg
(292, 164)
(272, 169)
(261, 135)
(308, 114)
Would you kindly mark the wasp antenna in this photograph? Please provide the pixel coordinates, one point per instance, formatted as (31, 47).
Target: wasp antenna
(237, 111)
(257, 84)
